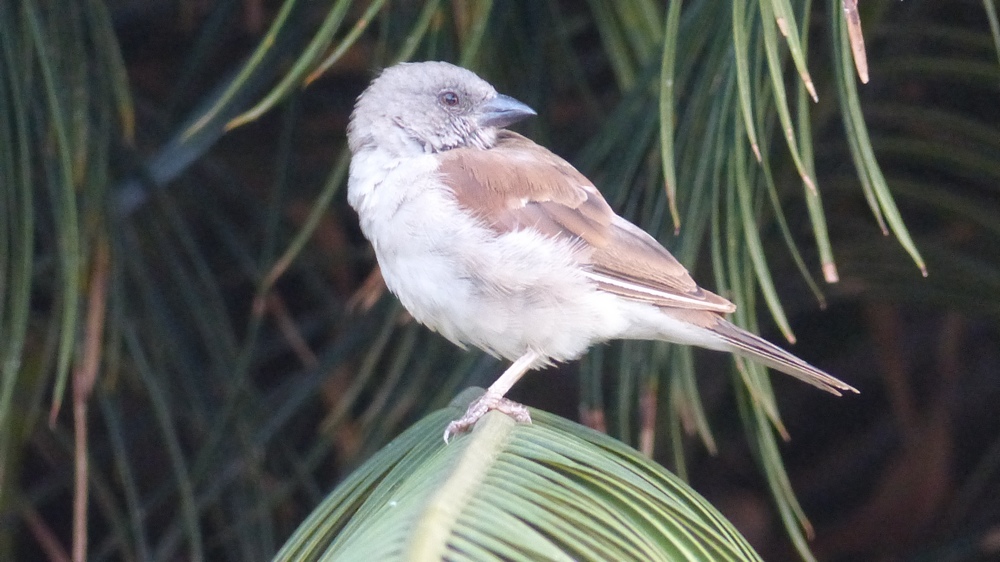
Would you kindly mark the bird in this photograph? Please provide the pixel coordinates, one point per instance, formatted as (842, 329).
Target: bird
(495, 242)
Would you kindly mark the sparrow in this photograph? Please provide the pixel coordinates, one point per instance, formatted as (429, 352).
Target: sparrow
(495, 242)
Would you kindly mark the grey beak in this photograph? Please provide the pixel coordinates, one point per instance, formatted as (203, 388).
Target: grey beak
(502, 111)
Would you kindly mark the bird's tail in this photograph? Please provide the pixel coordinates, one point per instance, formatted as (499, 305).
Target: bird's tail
(752, 347)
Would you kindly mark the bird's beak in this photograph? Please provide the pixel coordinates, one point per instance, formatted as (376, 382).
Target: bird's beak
(502, 111)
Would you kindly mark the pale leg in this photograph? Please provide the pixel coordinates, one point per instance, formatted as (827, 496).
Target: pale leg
(493, 398)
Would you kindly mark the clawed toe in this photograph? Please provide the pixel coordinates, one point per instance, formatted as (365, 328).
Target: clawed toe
(478, 409)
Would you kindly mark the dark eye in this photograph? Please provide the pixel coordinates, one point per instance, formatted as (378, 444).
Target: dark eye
(448, 98)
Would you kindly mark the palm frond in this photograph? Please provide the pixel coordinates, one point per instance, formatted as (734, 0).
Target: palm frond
(552, 490)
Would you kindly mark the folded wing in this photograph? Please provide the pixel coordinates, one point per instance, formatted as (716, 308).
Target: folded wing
(518, 184)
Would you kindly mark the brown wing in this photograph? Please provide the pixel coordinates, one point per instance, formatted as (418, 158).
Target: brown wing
(518, 184)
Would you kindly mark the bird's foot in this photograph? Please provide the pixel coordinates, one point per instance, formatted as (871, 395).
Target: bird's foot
(479, 407)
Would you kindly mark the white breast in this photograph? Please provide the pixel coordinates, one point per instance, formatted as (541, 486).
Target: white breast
(504, 294)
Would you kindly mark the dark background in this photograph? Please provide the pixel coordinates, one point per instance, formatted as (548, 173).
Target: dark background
(907, 470)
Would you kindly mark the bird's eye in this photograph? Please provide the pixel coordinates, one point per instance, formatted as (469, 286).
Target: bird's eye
(448, 98)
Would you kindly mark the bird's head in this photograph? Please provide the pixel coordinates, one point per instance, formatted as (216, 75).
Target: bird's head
(428, 107)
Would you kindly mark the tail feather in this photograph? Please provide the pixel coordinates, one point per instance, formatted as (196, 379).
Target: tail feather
(752, 347)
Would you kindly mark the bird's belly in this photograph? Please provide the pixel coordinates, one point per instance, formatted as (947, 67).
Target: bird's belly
(505, 294)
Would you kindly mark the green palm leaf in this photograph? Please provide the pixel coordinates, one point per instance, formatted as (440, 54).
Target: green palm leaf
(551, 490)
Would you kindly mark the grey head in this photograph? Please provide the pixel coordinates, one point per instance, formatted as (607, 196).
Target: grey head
(427, 107)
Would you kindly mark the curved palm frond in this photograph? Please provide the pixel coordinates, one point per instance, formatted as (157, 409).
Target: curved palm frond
(552, 490)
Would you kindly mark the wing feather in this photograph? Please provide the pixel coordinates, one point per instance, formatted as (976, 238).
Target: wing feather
(518, 184)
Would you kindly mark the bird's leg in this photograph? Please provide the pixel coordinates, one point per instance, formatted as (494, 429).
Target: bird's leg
(493, 398)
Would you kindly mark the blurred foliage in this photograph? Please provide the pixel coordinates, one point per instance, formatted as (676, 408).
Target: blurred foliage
(197, 313)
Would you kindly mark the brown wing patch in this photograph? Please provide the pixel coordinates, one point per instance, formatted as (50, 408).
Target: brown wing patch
(518, 184)
(641, 269)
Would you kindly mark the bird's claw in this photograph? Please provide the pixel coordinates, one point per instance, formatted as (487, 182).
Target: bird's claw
(478, 409)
